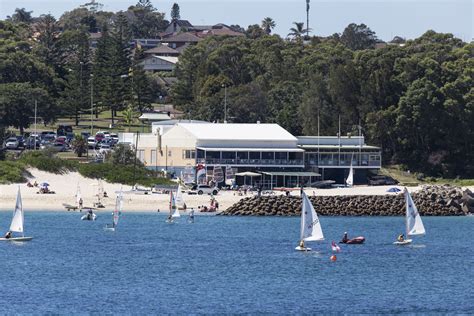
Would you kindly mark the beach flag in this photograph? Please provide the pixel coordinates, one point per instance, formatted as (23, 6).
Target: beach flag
(335, 247)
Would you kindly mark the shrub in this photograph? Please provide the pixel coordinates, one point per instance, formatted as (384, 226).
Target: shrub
(47, 161)
(12, 172)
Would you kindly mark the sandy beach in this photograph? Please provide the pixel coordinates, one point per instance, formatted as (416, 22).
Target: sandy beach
(65, 187)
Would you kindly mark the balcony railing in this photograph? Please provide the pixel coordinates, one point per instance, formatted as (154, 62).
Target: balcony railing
(269, 162)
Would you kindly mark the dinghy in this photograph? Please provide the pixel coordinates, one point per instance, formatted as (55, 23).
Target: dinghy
(116, 213)
(413, 223)
(350, 176)
(191, 217)
(89, 216)
(17, 223)
(180, 204)
(310, 225)
(174, 213)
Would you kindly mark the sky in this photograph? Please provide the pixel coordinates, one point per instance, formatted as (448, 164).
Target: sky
(388, 18)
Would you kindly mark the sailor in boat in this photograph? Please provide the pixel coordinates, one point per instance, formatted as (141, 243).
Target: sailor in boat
(170, 218)
(8, 235)
(401, 238)
(301, 244)
(345, 238)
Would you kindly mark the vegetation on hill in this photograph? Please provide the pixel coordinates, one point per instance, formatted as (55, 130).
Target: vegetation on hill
(414, 101)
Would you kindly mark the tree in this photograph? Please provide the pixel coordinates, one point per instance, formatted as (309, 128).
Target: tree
(123, 155)
(144, 21)
(254, 31)
(21, 16)
(142, 95)
(298, 31)
(268, 25)
(79, 145)
(358, 37)
(175, 12)
(128, 117)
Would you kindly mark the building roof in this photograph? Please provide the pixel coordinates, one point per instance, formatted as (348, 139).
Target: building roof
(170, 59)
(182, 23)
(161, 49)
(239, 149)
(154, 117)
(239, 132)
(220, 32)
(185, 37)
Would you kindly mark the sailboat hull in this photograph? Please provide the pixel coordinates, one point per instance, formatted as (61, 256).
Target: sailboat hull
(302, 248)
(402, 243)
(17, 239)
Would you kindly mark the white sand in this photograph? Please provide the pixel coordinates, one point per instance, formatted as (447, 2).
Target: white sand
(65, 187)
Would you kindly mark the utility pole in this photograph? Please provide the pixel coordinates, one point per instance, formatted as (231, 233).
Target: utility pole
(307, 18)
(225, 102)
(92, 102)
(81, 98)
(36, 135)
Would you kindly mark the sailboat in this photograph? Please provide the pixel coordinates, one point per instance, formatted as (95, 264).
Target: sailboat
(191, 216)
(174, 213)
(116, 213)
(350, 176)
(17, 223)
(310, 225)
(79, 198)
(414, 225)
(179, 198)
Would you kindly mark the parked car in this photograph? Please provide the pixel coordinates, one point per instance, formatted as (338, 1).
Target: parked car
(32, 142)
(61, 139)
(70, 136)
(382, 180)
(64, 129)
(12, 143)
(203, 188)
(21, 141)
(91, 142)
(99, 137)
(59, 147)
(47, 134)
(114, 137)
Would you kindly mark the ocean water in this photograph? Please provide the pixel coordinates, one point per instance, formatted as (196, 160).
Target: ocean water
(233, 265)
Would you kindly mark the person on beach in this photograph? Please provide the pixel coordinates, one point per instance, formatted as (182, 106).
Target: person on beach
(80, 203)
(401, 237)
(8, 235)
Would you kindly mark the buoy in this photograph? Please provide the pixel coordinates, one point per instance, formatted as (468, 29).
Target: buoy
(333, 258)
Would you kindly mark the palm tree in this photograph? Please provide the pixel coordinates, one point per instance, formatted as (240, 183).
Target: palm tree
(298, 31)
(268, 25)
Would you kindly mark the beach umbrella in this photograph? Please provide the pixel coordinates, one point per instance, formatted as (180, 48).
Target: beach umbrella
(44, 184)
(394, 190)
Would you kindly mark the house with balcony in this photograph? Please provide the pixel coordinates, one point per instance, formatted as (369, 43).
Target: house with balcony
(332, 156)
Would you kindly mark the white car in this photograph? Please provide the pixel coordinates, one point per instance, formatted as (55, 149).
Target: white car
(91, 142)
(12, 143)
(203, 188)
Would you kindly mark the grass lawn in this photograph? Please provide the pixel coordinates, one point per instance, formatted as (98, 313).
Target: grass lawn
(407, 178)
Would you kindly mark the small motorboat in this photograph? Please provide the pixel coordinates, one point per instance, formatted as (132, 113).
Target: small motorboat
(353, 241)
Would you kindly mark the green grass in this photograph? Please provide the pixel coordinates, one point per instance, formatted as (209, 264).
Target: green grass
(409, 178)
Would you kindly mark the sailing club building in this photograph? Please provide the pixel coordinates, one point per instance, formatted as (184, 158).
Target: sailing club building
(263, 154)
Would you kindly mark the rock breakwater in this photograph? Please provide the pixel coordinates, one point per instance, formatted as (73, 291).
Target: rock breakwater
(430, 200)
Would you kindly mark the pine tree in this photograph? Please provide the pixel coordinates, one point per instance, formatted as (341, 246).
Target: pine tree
(175, 12)
(141, 84)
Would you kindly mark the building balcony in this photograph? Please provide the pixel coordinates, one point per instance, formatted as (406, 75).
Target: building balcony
(259, 162)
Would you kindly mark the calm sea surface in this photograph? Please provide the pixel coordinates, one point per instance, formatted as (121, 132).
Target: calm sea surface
(233, 265)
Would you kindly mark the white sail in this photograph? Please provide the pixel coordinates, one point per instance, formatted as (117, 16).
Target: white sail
(117, 209)
(18, 219)
(173, 209)
(179, 197)
(310, 225)
(350, 177)
(413, 218)
(78, 195)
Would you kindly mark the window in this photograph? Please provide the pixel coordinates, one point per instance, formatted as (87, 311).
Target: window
(242, 155)
(281, 155)
(153, 157)
(267, 155)
(141, 155)
(254, 155)
(189, 154)
(228, 155)
(169, 153)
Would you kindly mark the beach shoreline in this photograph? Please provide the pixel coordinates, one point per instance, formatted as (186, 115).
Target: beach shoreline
(65, 186)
